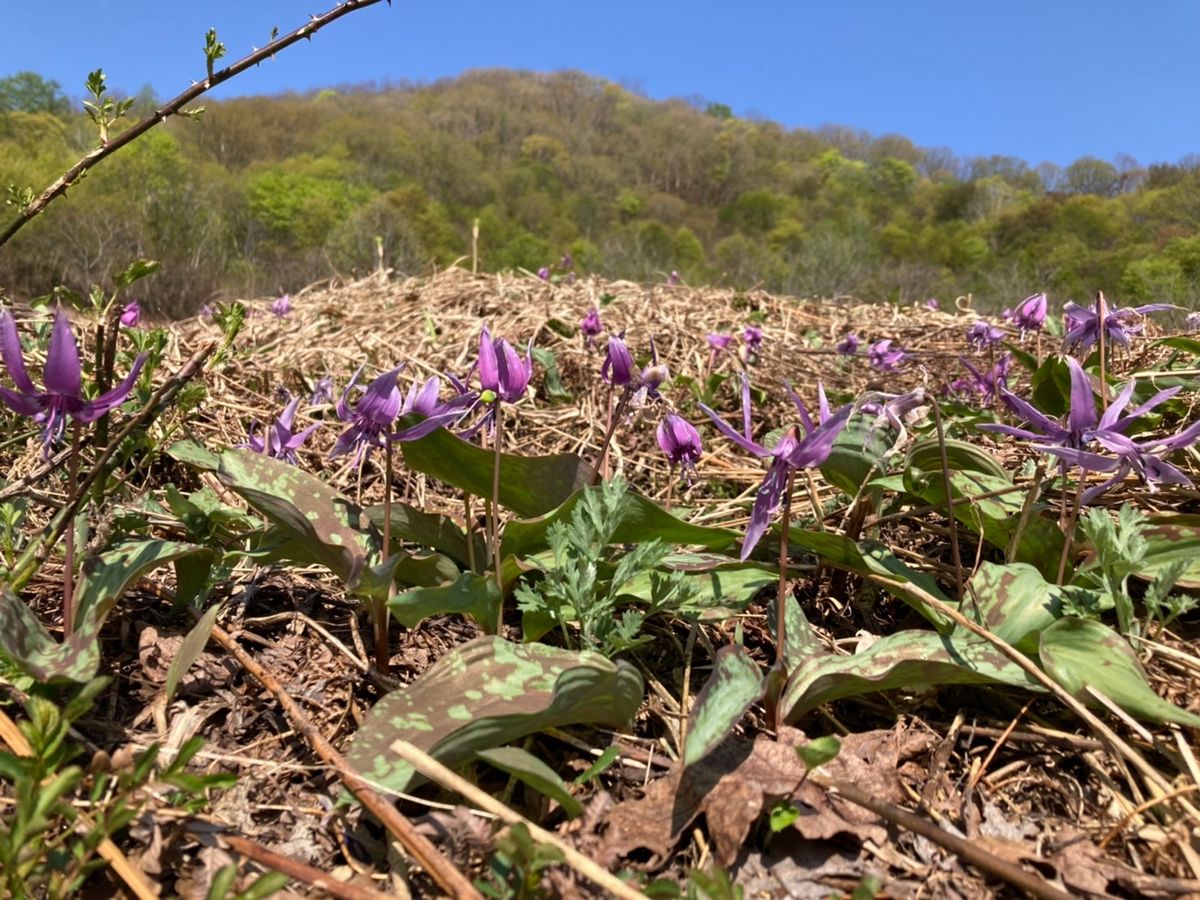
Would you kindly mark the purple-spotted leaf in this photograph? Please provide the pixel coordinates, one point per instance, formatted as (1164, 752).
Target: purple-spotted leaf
(1014, 602)
(735, 683)
(334, 531)
(104, 580)
(487, 693)
(529, 485)
(1080, 652)
(1169, 539)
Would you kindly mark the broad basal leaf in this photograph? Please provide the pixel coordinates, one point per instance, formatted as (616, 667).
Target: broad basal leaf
(488, 693)
(335, 531)
(426, 530)
(1081, 652)
(470, 595)
(531, 771)
(1172, 538)
(735, 683)
(529, 485)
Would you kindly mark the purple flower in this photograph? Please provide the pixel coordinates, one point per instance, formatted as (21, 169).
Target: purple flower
(752, 337)
(1192, 321)
(717, 343)
(323, 392)
(885, 358)
(501, 369)
(673, 279)
(651, 378)
(986, 385)
(981, 335)
(791, 452)
(371, 418)
(206, 311)
(544, 273)
(1030, 313)
(848, 345)
(425, 400)
(280, 441)
(1083, 323)
(566, 262)
(282, 306)
(932, 304)
(896, 410)
(617, 368)
(131, 314)
(591, 326)
(680, 441)
(63, 378)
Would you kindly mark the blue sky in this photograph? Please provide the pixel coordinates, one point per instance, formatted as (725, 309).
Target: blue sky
(1047, 80)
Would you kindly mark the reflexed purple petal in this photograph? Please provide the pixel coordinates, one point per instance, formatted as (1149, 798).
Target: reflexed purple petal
(343, 408)
(63, 376)
(425, 426)
(23, 404)
(747, 427)
(131, 314)
(745, 443)
(1083, 404)
(381, 403)
(618, 366)
(822, 403)
(1138, 411)
(288, 416)
(805, 419)
(94, 409)
(1093, 462)
(10, 349)
(1185, 438)
(766, 501)
(814, 450)
(1046, 426)
(489, 368)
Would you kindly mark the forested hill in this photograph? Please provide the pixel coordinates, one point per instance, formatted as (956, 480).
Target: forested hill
(266, 194)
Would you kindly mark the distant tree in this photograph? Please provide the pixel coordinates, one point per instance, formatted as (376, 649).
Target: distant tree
(719, 111)
(1089, 175)
(31, 93)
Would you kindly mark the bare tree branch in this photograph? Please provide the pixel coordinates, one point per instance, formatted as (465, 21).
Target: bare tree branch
(173, 107)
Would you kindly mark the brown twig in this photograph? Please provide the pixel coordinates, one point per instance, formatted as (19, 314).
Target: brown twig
(986, 862)
(173, 107)
(298, 871)
(439, 868)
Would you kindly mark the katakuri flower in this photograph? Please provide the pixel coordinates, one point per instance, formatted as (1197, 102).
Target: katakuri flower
(501, 369)
(371, 418)
(1030, 313)
(279, 440)
(650, 380)
(62, 396)
(986, 385)
(673, 279)
(590, 327)
(322, 392)
(680, 441)
(1083, 323)
(1191, 321)
(618, 368)
(982, 335)
(884, 357)
(425, 400)
(544, 273)
(131, 314)
(932, 304)
(281, 307)
(752, 337)
(801, 447)
(848, 346)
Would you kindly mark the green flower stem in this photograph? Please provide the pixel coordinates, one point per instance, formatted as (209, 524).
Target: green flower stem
(614, 416)
(379, 604)
(777, 677)
(947, 486)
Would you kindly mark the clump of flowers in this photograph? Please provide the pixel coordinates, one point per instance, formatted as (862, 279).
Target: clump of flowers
(502, 371)
(1083, 323)
(590, 327)
(371, 418)
(61, 397)
(985, 385)
(804, 446)
(1030, 314)
(884, 357)
(279, 440)
(982, 335)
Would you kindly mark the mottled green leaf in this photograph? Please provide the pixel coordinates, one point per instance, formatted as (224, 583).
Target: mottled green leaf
(1169, 539)
(1014, 602)
(334, 531)
(194, 454)
(907, 659)
(531, 771)
(190, 650)
(529, 485)
(1081, 652)
(105, 579)
(641, 520)
(426, 530)
(858, 454)
(487, 693)
(735, 683)
(469, 595)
